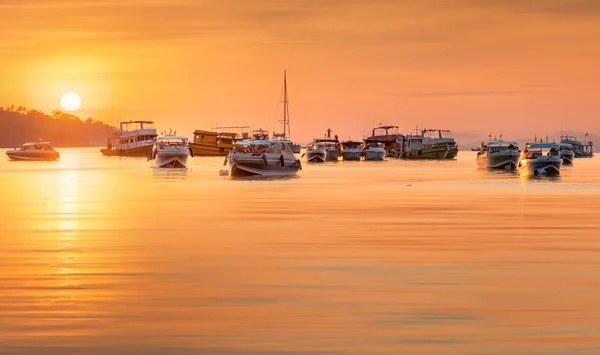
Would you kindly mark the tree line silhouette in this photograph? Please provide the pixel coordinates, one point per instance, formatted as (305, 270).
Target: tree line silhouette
(19, 125)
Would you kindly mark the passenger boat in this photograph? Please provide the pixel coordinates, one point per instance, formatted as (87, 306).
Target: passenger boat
(566, 153)
(171, 152)
(374, 150)
(391, 139)
(286, 135)
(541, 159)
(352, 150)
(584, 149)
(332, 147)
(133, 138)
(263, 158)
(415, 147)
(34, 151)
(499, 154)
(316, 152)
(435, 136)
(218, 141)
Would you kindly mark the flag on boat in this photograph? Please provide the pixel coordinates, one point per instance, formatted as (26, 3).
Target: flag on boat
(261, 135)
(278, 135)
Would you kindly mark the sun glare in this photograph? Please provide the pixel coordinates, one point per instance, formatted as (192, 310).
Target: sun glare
(70, 101)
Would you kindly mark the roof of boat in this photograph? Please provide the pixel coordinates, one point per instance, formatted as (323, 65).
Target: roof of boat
(498, 142)
(563, 144)
(171, 137)
(327, 140)
(351, 142)
(137, 122)
(31, 144)
(259, 142)
(543, 145)
(372, 140)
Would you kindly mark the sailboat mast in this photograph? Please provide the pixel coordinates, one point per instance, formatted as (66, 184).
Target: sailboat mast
(285, 106)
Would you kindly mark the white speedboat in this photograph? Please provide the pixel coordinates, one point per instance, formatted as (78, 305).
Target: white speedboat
(332, 147)
(34, 151)
(374, 150)
(498, 154)
(171, 152)
(566, 153)
(263, 158)
(352, 150)
(316, 152)
(541, 159)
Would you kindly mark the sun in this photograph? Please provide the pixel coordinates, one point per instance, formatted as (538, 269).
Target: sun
(70, 101)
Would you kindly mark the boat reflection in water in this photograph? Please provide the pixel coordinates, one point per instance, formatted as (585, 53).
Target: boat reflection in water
(263, 158)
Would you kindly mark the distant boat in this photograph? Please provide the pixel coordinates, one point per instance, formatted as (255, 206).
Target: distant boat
(566, 153)
(316, 152)
(171, 152)
(33, 151)
(263, 158)
(496, 154)
(286, 135)
(475, 149)
(352, 150)
(584, 149)
(541, 159)
(133, 138)
(374, 150)
(218, 141)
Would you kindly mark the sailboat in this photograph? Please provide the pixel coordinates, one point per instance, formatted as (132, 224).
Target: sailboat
(286, 135)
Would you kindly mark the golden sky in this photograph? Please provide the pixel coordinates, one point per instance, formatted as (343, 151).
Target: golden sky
(498, 66)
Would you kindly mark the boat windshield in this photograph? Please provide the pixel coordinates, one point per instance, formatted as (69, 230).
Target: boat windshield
(260, 147)
(494, 147)
(36, 146)
(314, 146)
(352, 145)
(533, 152)
(172, 141)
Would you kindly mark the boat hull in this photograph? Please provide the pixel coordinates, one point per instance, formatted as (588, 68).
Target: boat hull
(141, 151)
(452, 153)
(499, 161)
(316, 156)
(375, 154)
(263, 165)
(567, 157)
(296, 148)
(37, 155)
(543, 166)
(207, 150)
(171, 160)
(433, 152)
(333, 154)
(352, 154)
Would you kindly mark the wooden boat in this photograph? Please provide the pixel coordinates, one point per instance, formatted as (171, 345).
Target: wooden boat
(434, 136)
(33, 151)
(415, 147)
(133, 138)
(218, 141)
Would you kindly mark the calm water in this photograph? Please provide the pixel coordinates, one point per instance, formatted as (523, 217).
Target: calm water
(106, 255)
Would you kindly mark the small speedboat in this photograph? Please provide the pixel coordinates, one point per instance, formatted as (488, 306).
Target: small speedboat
(541, 159)
(171, 152)
(374, 150)
(352, 150)
(34, 151)
(499, 155)
(566, 153)
(263, 158)
(316, 152)
(332, 147)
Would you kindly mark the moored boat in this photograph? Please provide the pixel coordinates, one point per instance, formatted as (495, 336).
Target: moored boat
(171, 152)
(541, 159)
(374, 150)
(332, 147)
(352, 150)
(435, 136)
(33, 151)
(133, 138)
(416, 148)
(263, 158)
(390, 138)
(218, 141)
(584, 149)
(566, 153)
(498, 154)
(316, 152)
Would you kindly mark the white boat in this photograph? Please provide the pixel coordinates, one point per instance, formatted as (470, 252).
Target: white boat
(263, 158)
(133, 138)
(541, 159)
(499, 154)
(316, 152)
(171, 152)
(34, 151)
(374, 150)
(566, 153)
(352, 150)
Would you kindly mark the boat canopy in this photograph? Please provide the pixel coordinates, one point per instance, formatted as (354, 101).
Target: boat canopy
(327, 140)
(351, 143)
(543, 145)
(172, 138)
(267, 146)
(33, 144)
(502, 143)
(565, 145)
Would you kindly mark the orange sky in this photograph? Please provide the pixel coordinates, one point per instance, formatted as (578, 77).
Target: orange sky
(501, 66)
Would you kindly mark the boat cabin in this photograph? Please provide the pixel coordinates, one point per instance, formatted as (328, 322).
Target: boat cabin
(131, 135)
(36, 146)
(352, 145)
(171, 141)
(581, 149)
(373, 143)
(263, 146)
(496, 146)
(534, 150)
(315, 145)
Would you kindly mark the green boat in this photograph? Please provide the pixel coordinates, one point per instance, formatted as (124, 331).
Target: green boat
(415, 148)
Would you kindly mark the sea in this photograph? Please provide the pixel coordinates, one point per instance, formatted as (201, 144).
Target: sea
(108, 255)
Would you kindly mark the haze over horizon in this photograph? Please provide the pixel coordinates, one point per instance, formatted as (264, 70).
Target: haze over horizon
(496, 67)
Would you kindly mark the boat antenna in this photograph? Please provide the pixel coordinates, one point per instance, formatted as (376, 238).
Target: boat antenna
(285, 107)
